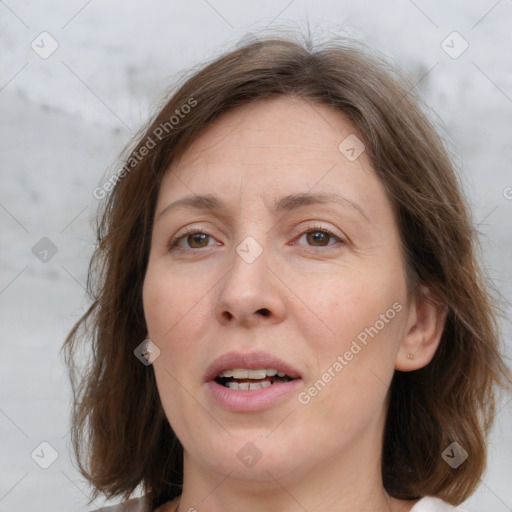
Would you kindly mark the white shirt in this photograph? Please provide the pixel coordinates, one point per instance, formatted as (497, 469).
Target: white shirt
(428, 504)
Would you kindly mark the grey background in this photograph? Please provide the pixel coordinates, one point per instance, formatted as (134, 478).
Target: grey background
(65, 118)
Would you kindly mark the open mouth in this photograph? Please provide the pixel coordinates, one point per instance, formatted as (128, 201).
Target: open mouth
(241, 379)
(250, 381)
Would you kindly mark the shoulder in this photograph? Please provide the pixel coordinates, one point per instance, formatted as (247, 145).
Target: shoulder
(429, 504)
(138, 505)
(134, 505)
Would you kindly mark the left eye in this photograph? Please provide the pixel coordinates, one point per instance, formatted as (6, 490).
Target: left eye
(320, 237)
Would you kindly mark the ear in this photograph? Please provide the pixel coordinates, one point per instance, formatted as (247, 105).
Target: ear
(425, 324)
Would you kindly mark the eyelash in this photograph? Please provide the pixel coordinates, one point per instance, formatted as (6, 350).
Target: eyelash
(173, 244)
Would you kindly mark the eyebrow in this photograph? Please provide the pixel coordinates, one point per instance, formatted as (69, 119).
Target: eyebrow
(285, 204)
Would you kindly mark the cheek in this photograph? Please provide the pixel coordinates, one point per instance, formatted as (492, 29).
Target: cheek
(354, 360)
(170, 304)
(177, 317)
(172, 313)
(354, 370)
(159, 302)
(346, 304)
(373, 324)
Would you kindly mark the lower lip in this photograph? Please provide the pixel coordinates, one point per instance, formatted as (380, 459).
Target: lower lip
(253, 400)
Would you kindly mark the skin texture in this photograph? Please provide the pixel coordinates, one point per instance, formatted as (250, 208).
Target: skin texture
(202, 299)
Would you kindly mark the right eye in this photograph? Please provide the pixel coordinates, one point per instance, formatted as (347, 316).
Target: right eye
(194, 237)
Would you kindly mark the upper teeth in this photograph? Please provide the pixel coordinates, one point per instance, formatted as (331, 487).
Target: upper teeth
(240, 373)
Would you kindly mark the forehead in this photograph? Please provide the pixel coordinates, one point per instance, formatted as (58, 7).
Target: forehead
(272, 148)
(258, 129)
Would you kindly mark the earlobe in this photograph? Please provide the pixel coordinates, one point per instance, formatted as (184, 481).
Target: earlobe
(427, 316)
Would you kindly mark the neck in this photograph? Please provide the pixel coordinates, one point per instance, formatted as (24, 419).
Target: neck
(333, 487)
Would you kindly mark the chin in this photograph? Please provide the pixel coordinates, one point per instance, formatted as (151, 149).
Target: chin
(252, 458)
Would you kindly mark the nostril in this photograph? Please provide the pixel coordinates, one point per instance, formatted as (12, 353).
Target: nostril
(262, 312)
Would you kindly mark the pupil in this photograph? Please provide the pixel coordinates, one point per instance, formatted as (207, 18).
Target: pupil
(198, 237)
(318, 236)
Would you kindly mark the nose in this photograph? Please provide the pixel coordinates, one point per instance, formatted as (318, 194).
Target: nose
(250, 293)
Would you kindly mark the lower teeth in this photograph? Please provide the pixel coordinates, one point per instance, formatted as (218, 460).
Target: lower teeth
(246, 386)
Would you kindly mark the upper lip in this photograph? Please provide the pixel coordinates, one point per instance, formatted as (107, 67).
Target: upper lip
(250, 361)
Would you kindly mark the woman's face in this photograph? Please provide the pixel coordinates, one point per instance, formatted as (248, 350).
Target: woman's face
(295, 267)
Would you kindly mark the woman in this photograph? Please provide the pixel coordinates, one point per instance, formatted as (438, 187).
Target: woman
(287, 309)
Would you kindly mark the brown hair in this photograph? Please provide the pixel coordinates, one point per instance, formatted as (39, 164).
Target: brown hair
(121, 436)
